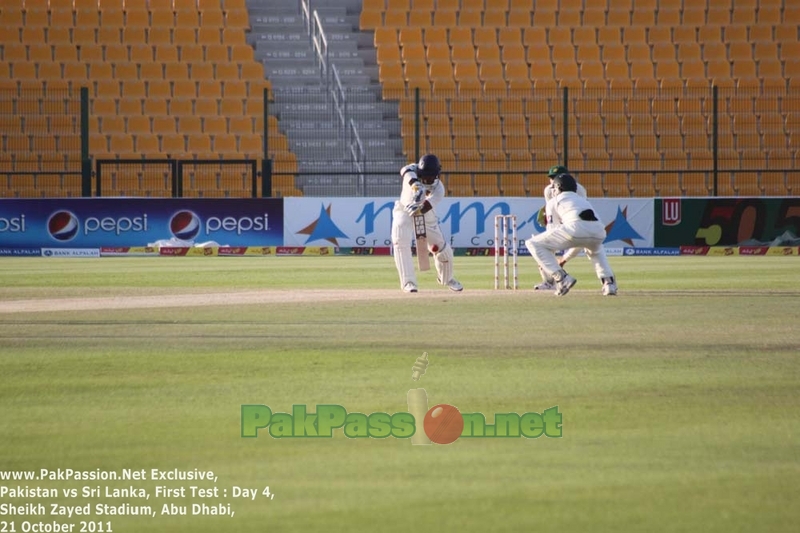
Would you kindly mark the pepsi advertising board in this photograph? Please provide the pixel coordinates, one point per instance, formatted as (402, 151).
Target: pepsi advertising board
(98, 222)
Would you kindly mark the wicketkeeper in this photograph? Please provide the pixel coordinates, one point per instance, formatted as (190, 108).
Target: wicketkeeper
(414, 216)
(547, 283)
(574, 224)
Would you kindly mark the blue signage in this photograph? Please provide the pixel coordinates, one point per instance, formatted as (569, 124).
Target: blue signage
(99, 222)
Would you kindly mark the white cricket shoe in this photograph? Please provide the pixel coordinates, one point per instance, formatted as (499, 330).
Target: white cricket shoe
(454, 285)
(410, 286)
(563, 286)
(609, 289)
(545, 286)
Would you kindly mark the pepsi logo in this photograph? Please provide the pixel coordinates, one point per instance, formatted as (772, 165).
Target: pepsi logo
(63, 226)
(184, 225)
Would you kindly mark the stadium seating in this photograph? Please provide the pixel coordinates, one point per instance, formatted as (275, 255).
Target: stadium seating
(672, 52)
(150, 71)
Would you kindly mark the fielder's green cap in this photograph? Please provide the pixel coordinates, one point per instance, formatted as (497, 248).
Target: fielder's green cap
(556, 170)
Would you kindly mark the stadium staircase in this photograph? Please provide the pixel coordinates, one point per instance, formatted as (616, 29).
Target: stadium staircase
(329, 104)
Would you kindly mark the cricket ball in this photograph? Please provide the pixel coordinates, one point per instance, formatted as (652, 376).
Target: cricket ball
(434, 248)
(443, 424)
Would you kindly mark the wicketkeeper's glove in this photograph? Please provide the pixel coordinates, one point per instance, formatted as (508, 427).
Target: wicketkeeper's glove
(541, 217)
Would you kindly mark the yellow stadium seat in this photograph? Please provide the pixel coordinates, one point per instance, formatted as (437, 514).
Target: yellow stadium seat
(544, 17)
(370, 20)
(396, 18)
(487, 185)
(11, 17)
(459, 185)
(190, 124)
(616, 185)
(768, 16)
(164, 125)
(208, 36)
(215, 125)
(161, 15)
(774, 184)
(155, 107)
(166, 53)
(512, 185)
(641, 184)
(173, 145)
(718, 15)
(158, 89)
(36, 17)
(121, 144)
(420, 17)
(443, 87)
(250, 144)
(136, 17)
(793, 182)
(133, 89)
(187, 18)
(237, 18)
(138, 125)
(225, 145)
(668, 185)
(209, 89)
(184, 88)
(444, 18)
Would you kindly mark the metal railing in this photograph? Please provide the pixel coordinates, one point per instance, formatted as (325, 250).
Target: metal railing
(44, 148)
(706, 142)
(177, 178)
(321, 52)
(359, 155)
(305, 9)
(339, 99)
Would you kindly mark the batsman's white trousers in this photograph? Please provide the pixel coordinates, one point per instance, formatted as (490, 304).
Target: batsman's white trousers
(402, 237)
(585, 234)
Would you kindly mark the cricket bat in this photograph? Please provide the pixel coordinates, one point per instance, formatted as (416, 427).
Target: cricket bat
(422, 243)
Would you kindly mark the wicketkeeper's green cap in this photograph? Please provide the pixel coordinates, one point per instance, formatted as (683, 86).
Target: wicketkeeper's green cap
(556, 170)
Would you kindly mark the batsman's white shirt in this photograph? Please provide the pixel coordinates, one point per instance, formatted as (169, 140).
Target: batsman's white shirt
(402, 223)
(433, 193)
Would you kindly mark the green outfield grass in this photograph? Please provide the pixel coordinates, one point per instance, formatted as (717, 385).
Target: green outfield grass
(680, 397)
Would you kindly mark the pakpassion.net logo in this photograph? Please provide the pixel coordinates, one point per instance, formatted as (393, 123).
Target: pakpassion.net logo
(442, 423)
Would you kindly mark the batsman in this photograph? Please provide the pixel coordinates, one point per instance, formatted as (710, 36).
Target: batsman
(414, 216)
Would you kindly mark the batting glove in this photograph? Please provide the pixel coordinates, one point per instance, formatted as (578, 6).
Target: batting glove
(419, 194)
(414, 208)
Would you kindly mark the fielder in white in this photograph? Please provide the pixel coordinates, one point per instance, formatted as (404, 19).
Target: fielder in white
(574, 224)
(422, 191)
(548, 284)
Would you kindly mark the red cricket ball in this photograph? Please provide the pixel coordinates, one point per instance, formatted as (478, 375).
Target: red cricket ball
(443, 423)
